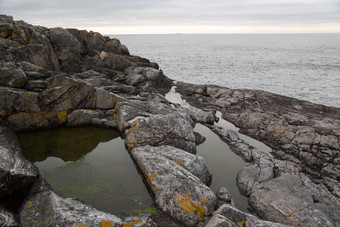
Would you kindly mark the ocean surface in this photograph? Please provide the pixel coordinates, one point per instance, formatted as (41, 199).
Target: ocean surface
(303, 66)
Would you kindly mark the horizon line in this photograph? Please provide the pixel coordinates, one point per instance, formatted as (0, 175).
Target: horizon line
(226, 33)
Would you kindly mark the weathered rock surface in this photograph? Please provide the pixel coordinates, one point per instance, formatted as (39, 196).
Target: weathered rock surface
(228, 215)
(7, 218)
(223, 197)
(301, 130)
(303, 137)
(128, 111)
(15, 171)
(54, 77)
(177, 179)
(286, 200)
(160, 130)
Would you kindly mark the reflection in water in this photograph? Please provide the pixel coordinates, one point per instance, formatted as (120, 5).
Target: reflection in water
(223, 164)
(90, 164)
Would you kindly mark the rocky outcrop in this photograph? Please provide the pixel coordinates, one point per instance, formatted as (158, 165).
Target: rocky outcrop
(303, 137)
(15, 171)
(68, 77)
(177, 179)
(296, 130)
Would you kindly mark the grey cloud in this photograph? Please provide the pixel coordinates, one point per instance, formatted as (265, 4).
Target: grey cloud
(171, 12)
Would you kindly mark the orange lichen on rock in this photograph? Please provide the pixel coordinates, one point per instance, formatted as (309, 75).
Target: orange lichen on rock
(28, 94)
(150, 181)
(134, 126)
(284, 131)
(106, 223)
(30, 203)
(132, 223)
(186, 204)
(240, 223)
(180, 163)
(62, 116)
(290, 215)
(80, 225)
(131, 140)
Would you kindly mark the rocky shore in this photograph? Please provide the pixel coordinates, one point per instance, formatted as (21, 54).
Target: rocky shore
(67, 77)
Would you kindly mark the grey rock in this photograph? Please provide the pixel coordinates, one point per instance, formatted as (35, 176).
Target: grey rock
(65, 94)
(253, 176)
(223, 196)
(239, 218)
(160, 130)
(220, 221)
(81, 117)
(15, 171)
(128, 111)
(286, 200)
(7, 218)
(12, 76)
(104, 99)
(31, 44)
(34, 72)
(199, 139)
(201, 116)
(67, 49)
(172, 176)
(147, 77)
(233, 135)
(6, 26)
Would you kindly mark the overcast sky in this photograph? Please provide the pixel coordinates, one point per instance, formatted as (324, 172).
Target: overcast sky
(180, 16)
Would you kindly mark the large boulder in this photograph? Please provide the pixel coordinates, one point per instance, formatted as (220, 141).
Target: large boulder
(67, 49)
(159, 130)
(25, 42)
(130, 110)
(147, 77)
(22, 109)
(175, 178)
(15, 171)
(284, 199)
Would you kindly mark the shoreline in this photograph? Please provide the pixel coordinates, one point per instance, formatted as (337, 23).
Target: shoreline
(67, 77)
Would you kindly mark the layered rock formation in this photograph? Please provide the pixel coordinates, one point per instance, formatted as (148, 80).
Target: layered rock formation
(67, 77)
(297, 181)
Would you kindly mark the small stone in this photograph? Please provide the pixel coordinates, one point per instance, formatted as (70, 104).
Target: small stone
(199, 139)
(223, 196)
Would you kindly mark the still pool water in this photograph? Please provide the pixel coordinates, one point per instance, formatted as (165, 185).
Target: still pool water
(90, 164)
(220, 160)
(223, 164)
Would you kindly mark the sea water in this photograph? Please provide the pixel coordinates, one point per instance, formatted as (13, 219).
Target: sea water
(303, 66)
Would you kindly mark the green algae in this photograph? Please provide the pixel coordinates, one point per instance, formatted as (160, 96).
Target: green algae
(151, 210)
